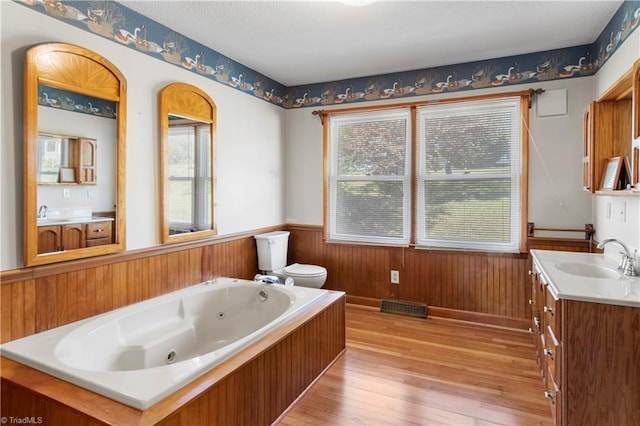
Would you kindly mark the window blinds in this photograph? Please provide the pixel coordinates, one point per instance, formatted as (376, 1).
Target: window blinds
(468, 177)
(369, 177)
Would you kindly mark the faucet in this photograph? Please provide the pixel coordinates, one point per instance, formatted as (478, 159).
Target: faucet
(268, 279)
(42, 212)
(626, 263)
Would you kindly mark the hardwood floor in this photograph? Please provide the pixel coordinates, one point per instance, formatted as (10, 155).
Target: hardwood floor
(399, 370)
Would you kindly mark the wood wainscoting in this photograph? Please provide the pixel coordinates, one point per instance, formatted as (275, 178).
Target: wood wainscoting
(492, 288)
(44, 297)
(483, 287)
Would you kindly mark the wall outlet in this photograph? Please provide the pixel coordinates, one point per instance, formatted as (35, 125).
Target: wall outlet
(66, 193)
(395, 277)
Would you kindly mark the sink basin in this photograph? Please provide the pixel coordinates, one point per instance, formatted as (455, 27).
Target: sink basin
(587, 270)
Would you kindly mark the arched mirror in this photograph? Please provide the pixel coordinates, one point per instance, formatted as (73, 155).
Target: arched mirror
(187, 128)
(74, 155)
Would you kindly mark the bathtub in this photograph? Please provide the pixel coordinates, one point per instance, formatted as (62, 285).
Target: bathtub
(143, 352)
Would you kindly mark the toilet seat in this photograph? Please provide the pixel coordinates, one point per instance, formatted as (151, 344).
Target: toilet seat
(304, 271)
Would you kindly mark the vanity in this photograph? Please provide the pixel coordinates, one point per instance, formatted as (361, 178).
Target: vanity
(70, 234)
(586, 323)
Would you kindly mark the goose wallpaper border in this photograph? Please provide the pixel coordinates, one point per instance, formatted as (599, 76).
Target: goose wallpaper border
(120, 24)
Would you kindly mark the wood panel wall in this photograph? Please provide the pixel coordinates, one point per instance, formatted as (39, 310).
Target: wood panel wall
(40, 298)
(493, 285)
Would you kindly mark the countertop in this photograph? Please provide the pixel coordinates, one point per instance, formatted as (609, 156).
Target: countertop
(616, 290)
(70, 221)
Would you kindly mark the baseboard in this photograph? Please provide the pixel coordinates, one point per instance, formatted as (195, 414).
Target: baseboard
(454, 314)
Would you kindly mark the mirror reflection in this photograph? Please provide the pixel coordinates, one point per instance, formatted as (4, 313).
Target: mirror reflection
(186, 156)
(74, 154)
(188, 175)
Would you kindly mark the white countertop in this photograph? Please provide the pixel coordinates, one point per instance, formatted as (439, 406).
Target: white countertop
(70, 221)
(618, 290)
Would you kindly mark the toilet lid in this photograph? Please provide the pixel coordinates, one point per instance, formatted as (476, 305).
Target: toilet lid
(302, 270)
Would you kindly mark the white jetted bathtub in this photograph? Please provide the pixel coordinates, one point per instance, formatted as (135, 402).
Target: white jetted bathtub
(143, 352)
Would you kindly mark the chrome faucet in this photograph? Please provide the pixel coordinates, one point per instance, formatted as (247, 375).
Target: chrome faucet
(42, 212)
(626, 262)
(268, 279)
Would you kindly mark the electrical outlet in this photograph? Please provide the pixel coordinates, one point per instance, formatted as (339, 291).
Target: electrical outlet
(66, 193)
(395, 277)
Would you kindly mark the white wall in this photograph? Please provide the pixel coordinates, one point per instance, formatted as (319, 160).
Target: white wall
(613, 226)
(555, 166)
(249, 139)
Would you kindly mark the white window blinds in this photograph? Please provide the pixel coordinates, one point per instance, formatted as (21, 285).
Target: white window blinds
(468, 177)
(369, 177)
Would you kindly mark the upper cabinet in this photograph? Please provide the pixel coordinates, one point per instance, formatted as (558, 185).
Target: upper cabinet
(608, 131)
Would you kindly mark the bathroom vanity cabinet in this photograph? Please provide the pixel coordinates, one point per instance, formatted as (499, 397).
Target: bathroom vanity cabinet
(56, 237)
(587, 349)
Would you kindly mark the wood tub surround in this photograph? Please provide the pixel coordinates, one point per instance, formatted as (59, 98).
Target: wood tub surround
(253, 387)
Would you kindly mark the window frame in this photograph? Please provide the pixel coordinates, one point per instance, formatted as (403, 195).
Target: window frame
(525, 106)
(334, 178)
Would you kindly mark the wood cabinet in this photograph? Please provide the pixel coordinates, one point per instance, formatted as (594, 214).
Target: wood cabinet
(610, 125)
(636, 99)
(99, 233)
(546, 315)
(606, 133)
(54, 238)
(588, 358)
(87, 157)
(61, 237)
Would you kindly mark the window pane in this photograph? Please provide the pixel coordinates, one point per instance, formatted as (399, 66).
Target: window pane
(181, 152)
(180, 201)
(375, 147)
(468, 193)
(374, 209)
(475, 143)
(474, 210)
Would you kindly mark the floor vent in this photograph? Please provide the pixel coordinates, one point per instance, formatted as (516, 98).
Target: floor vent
(411, 309)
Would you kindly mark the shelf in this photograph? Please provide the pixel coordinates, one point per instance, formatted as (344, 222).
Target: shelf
(620, 193)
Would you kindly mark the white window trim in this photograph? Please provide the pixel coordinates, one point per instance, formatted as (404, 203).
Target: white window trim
(334, 178)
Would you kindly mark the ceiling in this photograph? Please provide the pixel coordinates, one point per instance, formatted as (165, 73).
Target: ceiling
(303, 42)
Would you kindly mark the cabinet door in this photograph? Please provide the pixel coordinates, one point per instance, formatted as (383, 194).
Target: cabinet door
(588, 135)
(73, 236)
(48, 239)
(636, 99)
(87, 161)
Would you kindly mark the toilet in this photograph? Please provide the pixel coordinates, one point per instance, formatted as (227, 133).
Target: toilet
(272, 260)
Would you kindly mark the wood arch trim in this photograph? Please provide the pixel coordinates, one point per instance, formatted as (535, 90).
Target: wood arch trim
(75, 68)
(189, 101)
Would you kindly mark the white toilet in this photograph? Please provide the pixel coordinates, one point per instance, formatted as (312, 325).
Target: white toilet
(272, 260)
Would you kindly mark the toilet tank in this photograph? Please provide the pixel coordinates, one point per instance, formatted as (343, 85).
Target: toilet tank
(272, 250)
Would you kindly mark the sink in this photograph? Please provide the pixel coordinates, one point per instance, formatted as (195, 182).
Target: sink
(587, 270)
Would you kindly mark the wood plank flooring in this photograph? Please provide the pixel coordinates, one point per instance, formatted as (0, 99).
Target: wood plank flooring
(399, 370)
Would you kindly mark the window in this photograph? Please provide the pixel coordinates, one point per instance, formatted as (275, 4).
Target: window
(467, 187)
(370, 177)
(188, 181)
(468, 177)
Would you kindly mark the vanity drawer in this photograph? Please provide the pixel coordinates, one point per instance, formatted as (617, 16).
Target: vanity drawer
(99, 230)
(552, 311)
(552, 352)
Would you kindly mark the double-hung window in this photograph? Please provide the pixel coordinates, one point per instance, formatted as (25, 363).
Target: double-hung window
(469, 175)
(466, 188)
(369, 177)
(188, 177)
